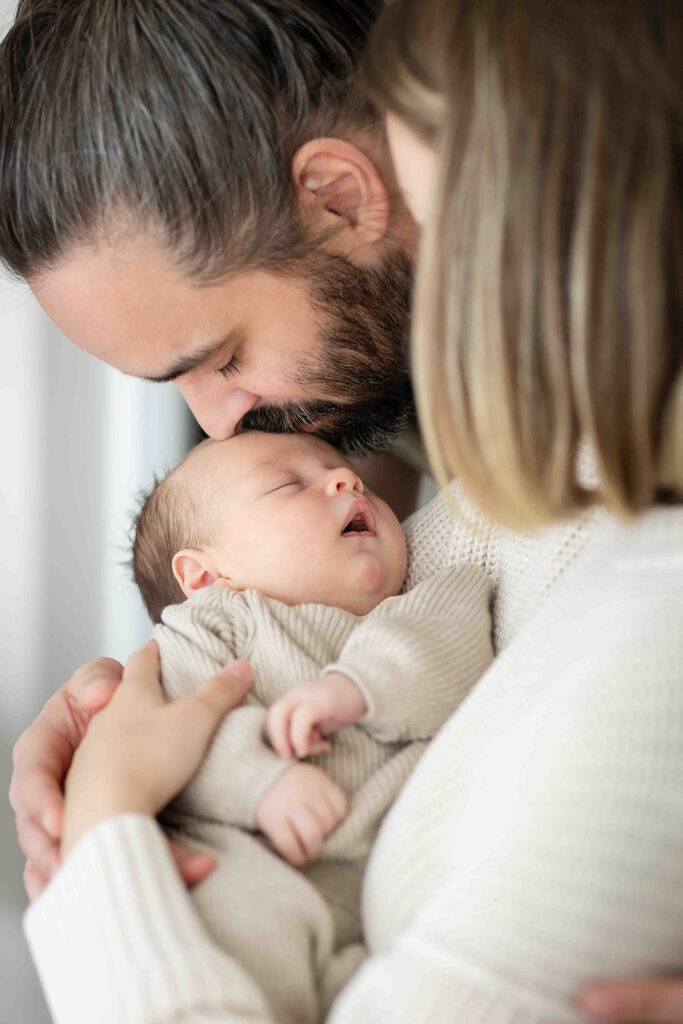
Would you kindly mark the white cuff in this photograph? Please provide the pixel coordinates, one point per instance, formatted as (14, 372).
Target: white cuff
(116, 938)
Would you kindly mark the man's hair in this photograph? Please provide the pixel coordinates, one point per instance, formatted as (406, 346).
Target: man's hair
(179, 116)
(167, 522)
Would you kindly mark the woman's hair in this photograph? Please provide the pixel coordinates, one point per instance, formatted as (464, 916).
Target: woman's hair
(178, 116)
(549, 298)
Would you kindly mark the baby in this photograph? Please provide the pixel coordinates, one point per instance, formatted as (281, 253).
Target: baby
(290, 562)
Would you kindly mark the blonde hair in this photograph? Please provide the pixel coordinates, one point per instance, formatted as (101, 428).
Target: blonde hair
(548, 307)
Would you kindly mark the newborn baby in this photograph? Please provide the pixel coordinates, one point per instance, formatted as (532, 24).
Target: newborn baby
(290, 562)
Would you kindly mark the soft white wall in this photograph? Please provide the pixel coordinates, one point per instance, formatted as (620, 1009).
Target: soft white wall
(148, 429)
(79, 441)
(23, 420)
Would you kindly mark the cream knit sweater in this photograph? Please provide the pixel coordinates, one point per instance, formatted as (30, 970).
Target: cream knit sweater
(538, 843)
(298, 933)
(414, 658)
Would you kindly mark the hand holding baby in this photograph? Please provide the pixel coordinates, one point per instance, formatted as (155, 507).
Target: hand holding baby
(299, 722)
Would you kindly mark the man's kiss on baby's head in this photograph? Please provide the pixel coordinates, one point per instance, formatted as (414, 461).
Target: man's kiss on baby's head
(284, 514)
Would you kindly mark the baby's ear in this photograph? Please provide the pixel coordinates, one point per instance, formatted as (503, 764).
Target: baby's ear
(192, 569)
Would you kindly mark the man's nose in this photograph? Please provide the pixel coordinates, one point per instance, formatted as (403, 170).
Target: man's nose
(343, 479)
(217, 409)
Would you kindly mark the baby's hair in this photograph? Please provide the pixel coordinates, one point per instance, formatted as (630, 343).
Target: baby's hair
(167, 521)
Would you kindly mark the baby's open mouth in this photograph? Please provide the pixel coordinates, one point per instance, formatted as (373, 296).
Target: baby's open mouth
(360, 520)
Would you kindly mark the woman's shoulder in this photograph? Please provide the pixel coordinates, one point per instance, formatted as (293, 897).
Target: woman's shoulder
(448, 531)
(617, 631)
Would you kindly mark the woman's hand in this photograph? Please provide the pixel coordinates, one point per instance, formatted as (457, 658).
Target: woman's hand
(653, 1001)
(141, 750)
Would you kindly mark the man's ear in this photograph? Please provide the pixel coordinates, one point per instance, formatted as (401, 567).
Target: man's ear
(339, 188)
(194, 570)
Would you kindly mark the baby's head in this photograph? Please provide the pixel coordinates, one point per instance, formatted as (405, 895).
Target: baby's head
(284, 514)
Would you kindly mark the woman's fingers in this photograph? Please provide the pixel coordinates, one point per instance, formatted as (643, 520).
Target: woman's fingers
(199, 715)
(193, 867)
(94, 683)
(143, 670)
(643, 1002)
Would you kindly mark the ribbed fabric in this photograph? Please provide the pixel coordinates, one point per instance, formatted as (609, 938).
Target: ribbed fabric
(522, 568)
(415, 657)
(538, 843)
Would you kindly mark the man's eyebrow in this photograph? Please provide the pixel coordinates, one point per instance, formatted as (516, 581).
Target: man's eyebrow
(187, 363)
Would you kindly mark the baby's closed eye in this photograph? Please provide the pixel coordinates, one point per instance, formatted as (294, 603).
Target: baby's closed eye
(282, 486)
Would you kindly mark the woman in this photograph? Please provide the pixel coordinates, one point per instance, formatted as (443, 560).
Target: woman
(539, 843)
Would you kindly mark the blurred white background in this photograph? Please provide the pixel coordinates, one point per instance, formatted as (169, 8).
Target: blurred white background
(78, 441)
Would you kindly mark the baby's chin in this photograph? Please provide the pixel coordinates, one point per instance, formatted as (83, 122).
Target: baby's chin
(370, 583)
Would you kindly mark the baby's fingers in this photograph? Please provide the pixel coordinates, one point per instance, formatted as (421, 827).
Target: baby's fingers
(310, 832)
(278, 728)
(303, 722)
(318, 743)
(329, 807)
(286, 841)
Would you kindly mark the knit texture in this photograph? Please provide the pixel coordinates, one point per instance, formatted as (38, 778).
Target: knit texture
(538, 843)
(414, 657)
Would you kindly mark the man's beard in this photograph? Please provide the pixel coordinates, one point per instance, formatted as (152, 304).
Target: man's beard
(361, 376)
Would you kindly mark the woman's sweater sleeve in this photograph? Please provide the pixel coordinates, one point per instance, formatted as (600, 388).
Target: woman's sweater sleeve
(117, 940)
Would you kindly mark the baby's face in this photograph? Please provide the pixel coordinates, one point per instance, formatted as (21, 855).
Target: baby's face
(288, 516)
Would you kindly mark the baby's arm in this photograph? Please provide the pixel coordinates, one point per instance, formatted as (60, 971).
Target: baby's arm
(402, 672)
(241, 779)
(417, 656)
(195, 640)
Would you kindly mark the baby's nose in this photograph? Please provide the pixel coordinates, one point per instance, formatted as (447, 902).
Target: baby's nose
(343, 479)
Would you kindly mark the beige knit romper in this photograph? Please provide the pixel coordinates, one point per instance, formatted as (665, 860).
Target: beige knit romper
(415, 657)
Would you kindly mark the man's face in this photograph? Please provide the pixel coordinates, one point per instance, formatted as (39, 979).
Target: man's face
(325, 352)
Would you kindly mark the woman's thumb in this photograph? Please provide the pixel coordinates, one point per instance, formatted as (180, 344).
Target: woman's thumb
(225, 690)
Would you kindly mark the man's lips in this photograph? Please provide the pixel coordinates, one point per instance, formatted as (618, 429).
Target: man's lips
(360, 520)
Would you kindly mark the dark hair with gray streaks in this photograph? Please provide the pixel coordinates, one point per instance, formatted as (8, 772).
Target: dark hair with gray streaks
(179, 116)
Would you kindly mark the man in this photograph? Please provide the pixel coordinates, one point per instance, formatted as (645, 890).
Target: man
(197, 193)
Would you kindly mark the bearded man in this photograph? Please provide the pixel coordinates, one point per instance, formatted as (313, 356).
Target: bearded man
(198, 193)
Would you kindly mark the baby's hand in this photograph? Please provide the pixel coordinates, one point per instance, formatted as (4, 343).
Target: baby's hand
(299, 722)
(299, 811)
